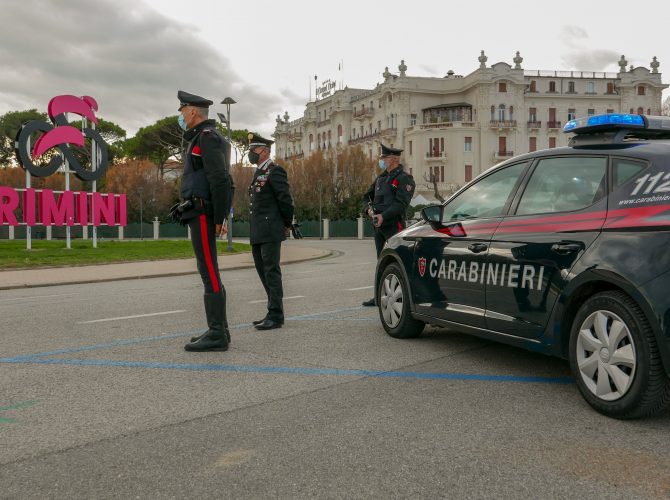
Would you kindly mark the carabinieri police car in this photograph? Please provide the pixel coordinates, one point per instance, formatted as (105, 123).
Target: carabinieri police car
(563, 251)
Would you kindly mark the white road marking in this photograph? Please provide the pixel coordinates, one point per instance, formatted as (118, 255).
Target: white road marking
(360, 288)
(130, 317)
(285, 298)
(40, 297)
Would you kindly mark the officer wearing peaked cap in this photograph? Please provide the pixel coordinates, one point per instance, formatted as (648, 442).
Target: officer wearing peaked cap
(207, 193)
(387, 199)
(271, 216)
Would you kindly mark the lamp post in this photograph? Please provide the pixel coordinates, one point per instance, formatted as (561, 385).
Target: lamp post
(141, 232)
(228, 101)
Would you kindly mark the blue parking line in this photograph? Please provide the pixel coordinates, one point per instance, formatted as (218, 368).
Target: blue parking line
(297, 370)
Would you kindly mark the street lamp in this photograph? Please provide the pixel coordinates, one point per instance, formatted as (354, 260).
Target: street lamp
(141, 233)
(226, 120)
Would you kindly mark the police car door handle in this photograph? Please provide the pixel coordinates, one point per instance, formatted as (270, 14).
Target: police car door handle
(478, 247)
(566, 248)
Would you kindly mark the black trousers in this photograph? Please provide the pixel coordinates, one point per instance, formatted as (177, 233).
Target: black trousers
(204, 246)
(380, 240)
(266, 259)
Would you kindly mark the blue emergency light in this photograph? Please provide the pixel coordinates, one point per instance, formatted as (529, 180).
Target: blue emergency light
(609, 121)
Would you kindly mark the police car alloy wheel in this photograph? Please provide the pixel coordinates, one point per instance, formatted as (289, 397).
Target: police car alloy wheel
(394, 309)
(615, 359)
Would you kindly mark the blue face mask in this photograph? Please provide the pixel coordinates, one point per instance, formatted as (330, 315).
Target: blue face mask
(382, 164)
(182, 122)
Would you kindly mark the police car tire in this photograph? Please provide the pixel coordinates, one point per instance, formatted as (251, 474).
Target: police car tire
(407, 327)
(649, 392)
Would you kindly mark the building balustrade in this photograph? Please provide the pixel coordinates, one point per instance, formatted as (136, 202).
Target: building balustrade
(534, 124)
(364, 113)
(503, 123)
(363, 138)
(554, 124)
(389, 132)
(295, 136)
(323, 122)
(296, 156)
(503, 154)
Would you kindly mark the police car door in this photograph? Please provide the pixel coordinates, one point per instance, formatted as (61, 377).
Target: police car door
(447, 280)
(556, 215)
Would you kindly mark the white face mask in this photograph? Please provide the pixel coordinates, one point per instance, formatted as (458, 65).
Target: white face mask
(382, 164)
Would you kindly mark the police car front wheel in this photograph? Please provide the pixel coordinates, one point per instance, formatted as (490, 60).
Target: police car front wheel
(615, 358)
(394, 310)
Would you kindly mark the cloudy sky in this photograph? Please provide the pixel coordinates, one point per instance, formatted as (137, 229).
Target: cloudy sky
(133, 56)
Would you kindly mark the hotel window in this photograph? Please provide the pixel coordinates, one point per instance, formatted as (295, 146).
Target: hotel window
(532, 114)
(390, 97)
(641, 90)
(410, 148)
(571, 87)
(468, 173)
(501, 112)
(493, 112)
(610, 111)
(533, 86)
(412, 119)
(532, 144)
(591, 112)
(590, 88)
(552, 86)
(610, 88)
(640, 111)
(502, 87)
(571, 114)
(552, 142)
(467, 146)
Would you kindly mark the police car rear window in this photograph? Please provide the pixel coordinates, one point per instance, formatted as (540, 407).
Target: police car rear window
(623, 169)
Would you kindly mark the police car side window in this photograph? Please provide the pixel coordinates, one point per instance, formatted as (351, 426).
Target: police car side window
(564, 184)
(624, 169)
(486, 198)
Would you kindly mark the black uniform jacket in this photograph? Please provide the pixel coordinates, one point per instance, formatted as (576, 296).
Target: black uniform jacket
(389, 195)
(207, 171)
(271, 204)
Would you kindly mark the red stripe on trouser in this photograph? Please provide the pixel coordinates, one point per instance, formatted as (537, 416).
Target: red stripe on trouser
(208, 255)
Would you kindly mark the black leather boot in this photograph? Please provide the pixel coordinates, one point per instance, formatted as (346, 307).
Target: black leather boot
(209, 312)
(216, 337)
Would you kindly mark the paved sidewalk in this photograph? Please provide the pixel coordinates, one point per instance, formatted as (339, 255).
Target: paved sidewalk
(141, 269)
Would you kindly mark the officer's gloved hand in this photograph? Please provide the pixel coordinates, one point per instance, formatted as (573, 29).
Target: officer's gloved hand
(175, 213)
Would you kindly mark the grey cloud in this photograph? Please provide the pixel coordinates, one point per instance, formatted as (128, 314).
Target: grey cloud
(591, 60)
(430, 70)
(128, 56)
(580, 56)
(570, 32)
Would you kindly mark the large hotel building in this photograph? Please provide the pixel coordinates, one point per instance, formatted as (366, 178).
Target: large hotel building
(458, 126)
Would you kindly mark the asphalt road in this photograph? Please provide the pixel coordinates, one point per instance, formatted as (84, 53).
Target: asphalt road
(98, 399)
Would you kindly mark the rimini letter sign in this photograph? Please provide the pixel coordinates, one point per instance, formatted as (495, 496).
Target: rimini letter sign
(65, 208)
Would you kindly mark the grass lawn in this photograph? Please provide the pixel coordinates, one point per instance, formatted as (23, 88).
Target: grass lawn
(13, 253)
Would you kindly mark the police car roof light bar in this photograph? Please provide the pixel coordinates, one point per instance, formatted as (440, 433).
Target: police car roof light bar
(616, 128)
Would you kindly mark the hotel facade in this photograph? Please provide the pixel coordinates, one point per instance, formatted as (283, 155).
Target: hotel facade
(454, 128)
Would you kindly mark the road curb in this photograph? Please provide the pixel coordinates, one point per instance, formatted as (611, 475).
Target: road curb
(328, 253)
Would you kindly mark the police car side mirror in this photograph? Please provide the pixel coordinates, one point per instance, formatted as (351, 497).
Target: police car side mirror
(432, 215)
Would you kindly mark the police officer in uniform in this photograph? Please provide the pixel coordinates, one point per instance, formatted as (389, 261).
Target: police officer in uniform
(387, 199)
(271, 217)
(206, 192)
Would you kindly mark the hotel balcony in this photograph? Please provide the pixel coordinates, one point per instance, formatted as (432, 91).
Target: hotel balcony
(296, 156)
(502, 155)
(553, 125)
(389, 132)
(362, 114)
(425, 126)
(502, 124)
(534, 125)
(295, 137)
(363, 138)
(436, 157)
